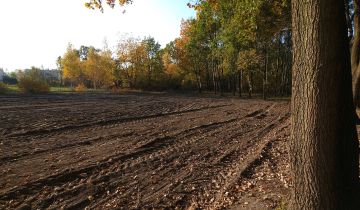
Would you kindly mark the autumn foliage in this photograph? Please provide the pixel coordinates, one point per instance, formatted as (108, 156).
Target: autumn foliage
(32, 82)
(88, 67)
(3, 88)
(230, 46)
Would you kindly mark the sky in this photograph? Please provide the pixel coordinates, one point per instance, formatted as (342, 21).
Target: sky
(36, 32)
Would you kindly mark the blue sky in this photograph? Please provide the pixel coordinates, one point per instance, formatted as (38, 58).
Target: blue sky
(34, 33)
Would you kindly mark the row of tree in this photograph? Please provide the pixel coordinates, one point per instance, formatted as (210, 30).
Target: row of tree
(231, 46)
(239, 45)
(134, 64)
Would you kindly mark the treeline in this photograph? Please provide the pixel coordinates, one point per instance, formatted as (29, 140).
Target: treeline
(231, 46)
(238, 46)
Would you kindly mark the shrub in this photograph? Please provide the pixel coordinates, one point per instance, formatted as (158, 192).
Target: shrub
(30, 85)
(80, 88)
(3, 88)
(115, 89)
(32, 81)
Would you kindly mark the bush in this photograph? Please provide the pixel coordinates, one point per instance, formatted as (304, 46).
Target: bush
(80, 88)
(29, 85)
(32, 81)
(115, 90)
(3, 88)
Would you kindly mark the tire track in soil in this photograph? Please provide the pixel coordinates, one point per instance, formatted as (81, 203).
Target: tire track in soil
(81, 112)
(167, 170)
(204, 159)
(106, 122)
(217, 180)
(7, 159)
(175, 150)
(242, 169)
(4, 159)
(68, 176)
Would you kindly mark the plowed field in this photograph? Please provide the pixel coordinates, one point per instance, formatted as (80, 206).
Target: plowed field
(142, 151)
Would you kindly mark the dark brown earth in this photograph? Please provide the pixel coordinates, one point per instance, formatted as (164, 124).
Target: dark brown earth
(142, 151)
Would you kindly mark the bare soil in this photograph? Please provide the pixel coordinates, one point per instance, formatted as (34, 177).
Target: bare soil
(142, 151)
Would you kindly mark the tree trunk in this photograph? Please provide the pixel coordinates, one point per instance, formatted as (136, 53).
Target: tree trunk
(355, 54)
(229, 78)
(265, 73)
(279, 63)
(348, 19)
(214, 83)
(240, 83)
(234, 83)
(249, 79)
(219, 78)
(149, 74)
(198, 80)
(324, 144)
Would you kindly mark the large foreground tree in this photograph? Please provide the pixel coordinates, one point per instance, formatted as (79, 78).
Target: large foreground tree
(324, 144)
(355, 53)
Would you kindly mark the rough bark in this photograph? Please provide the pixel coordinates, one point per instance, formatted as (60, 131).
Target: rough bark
(355, 54)
(324, 145)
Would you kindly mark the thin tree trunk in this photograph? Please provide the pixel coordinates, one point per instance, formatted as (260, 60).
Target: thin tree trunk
(265, 73)
(220, 88)
(214, 83)
(234, 83)
(198, 80)
(279, 61)
(221, 80)
(240, 83)
(229, 81)
(249, 78)
(324, 144)
(207, 77)
(214, 78)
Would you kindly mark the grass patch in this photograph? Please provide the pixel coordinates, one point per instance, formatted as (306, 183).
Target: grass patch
(60, 89)
(3, 88)
(13, 89)
(56, 89)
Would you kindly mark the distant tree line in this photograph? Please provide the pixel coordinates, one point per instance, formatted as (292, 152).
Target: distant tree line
(231, 46)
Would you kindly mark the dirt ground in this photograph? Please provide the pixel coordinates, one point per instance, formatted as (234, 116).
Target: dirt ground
(142, 151)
